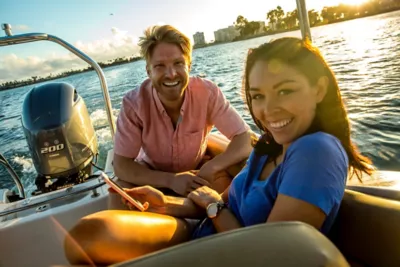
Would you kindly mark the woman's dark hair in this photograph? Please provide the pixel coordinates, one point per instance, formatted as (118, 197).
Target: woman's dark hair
(331, 116)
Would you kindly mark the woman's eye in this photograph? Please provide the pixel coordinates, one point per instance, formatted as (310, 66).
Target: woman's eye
(285, 91)
(257, 97)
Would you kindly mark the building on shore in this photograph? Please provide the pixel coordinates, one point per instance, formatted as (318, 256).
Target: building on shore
(199, 39)
(273, 26)
(262, 27)
(226, 34)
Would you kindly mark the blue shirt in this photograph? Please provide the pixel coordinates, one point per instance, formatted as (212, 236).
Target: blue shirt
(314, 169)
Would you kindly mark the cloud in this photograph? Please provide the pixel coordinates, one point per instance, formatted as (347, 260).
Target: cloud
(121, 44)
(20, 27)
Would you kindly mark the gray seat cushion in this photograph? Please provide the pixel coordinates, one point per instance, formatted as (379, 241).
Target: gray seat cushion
(274, 244)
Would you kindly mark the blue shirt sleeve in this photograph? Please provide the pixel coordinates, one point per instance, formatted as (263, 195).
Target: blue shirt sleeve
(315, 170)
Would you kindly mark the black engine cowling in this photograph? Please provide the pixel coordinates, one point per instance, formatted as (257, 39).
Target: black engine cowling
(60, 135)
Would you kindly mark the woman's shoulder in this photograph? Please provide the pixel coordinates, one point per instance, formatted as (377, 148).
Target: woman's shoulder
(317, 144)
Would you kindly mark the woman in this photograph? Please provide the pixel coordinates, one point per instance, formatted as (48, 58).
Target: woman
(296, 172)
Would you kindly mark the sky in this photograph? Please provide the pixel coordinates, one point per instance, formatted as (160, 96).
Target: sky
(106, 29)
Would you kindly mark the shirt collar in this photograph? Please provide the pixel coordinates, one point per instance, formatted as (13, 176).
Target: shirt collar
(160, 106)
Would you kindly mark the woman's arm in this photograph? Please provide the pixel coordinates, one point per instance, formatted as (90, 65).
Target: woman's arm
(287, 208)
(204, 196)
(226, 221)
(186, 208)
(183, 208)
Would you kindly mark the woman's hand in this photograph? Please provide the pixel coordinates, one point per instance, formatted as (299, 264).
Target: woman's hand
(204, 196)
(153, 200)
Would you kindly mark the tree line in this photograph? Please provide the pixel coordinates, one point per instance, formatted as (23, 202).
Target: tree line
(278, 20)
(37, 79)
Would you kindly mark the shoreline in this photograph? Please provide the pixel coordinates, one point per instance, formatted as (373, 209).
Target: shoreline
(134, 59)
(298, 28)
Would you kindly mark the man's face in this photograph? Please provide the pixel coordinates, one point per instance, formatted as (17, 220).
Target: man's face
(168, 70)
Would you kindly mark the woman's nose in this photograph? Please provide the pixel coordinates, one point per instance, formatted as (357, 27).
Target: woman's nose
(270, 106)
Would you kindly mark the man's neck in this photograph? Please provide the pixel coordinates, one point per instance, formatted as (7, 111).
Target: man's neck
(172, 106)
(173, 109)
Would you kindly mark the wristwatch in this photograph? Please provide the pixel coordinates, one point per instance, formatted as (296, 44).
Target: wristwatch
(214, 208)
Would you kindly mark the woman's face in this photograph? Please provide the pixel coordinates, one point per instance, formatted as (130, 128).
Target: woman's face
(283, 100)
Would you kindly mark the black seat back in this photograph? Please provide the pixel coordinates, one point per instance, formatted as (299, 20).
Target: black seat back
(367, 230)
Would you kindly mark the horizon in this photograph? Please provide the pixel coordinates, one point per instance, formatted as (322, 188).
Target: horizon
(107, 30)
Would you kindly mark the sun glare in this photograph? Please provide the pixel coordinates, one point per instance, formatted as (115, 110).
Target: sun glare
(354, 2)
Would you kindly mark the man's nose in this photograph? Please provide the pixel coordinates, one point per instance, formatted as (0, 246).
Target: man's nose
(170, 72)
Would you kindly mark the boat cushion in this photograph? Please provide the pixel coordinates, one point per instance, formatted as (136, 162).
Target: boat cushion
(367, 229)
(273, 244)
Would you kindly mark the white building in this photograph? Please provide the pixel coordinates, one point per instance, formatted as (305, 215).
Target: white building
(199, 39)
(226, 34)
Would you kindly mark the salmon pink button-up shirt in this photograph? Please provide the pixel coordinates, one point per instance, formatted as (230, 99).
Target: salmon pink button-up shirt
(145, 131)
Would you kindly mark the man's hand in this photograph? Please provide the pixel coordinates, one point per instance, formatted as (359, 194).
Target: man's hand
(208, 171)
(185, 182)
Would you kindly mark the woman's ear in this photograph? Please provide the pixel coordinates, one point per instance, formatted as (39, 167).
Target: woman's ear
(322, 88)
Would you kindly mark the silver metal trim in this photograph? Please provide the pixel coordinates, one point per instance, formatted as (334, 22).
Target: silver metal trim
(7, 28)
(48, 201)
(303, 19)
(17, 181)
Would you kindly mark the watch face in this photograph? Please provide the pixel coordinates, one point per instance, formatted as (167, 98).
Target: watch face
(212, 210)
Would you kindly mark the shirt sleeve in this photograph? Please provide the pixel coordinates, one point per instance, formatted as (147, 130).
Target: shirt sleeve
(128, 136)
(315, 170)
(223, 115)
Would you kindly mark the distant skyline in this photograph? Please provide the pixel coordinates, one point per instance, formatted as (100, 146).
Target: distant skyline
(109, 29)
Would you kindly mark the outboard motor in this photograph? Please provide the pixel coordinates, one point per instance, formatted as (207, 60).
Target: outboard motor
(60, 136)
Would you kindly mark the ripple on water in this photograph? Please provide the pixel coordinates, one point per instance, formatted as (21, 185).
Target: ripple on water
(363, 54)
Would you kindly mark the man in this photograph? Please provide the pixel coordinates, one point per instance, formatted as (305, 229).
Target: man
(163, 125)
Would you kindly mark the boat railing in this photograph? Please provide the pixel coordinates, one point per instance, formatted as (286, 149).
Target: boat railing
(303, 20)
(11, 39)
(17, 181)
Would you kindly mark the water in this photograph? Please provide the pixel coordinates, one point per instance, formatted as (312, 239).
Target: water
(363, 53)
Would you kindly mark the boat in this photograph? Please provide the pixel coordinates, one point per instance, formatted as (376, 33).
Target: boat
(33, 229)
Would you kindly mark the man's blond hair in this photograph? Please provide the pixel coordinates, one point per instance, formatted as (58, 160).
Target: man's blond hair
(164, 34)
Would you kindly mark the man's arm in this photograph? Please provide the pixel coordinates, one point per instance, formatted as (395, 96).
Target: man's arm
(238, 149)
(130, 171)
(228, 121)
(128, 141)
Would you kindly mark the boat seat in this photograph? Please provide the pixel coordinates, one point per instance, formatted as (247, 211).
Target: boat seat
(366, 233)
(367, 230)
(274, 244)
